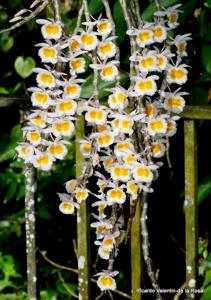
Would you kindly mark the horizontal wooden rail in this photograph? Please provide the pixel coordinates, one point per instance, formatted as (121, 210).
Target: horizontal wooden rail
(22, 102)
(200, 112)
(194, 112)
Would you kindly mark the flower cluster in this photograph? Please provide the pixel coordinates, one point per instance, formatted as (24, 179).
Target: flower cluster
(55, 98)
(128, 133)
(126, 164)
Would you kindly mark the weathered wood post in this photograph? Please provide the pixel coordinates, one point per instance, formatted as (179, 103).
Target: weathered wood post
(191, 207)
(83, 241)
(30, 221)
(136, 254)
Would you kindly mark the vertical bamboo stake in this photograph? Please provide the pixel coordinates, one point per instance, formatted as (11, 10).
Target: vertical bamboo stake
(136, 254)
(82, 226)
(191, 206)
(30, 186)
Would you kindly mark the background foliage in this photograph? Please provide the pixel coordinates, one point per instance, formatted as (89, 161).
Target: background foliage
(56, 232)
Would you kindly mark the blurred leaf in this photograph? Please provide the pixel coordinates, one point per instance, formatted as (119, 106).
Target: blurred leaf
(119, 22)
(62, 290)
(95, 7)
(202, 24)
(207, 3)
(70, 23)
(44, 211)
(3, 91)
(206, 57)
(204, 190)
(17, 164)
(7, 266)
(21, 192)
(7, 151)
(24, 66)
(87, 86)
(208, 33)
(6, 41)
(16, 133)
(12, 187)
(149, 11)
(16, 87)
(48, 295)
(198, 96)
(203, 78)
(188, 9)
(207, 294)
(31, 24)
(3, 16)
(13, 296)
(207, 280)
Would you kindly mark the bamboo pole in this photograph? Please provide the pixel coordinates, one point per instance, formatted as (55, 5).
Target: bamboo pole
(83, 241)
(30, 186)
(136, 254)
(196, 112)
(190, 205)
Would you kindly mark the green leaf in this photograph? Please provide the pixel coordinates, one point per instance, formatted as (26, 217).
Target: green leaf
(7, 150)
(12, 188)
(7, 265)
(206, 57)
(188, 9)
(16, 134)
(204, 190)
(87, 86)
(70, 23)
(207, 294)
(24, 66)
(13, 296)
(95, 7)
(3, 91)
(16, 87)
(61, 290)
(207, 4)
(6, 42)
(119, 21)
(21, 192)
(203, 24)
(3, 16)
(149, 11)
(48, 295)
(198, 96)
(207, 280)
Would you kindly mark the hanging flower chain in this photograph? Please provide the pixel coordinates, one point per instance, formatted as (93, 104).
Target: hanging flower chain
(128, 133)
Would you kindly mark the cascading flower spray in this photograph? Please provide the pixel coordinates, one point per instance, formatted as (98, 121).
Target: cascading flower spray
(128, 134)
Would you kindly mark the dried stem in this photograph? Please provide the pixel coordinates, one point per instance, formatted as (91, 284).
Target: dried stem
(30, 186)
(129, 23)
(131, 216)
(95, 81)
(56, 10)
(180, 291)
(145, 246)
(66, 286)
(110, 18)
(31, 16)
(168, 154)
(86, 10)
(99, 296)
(61, 267)
(158, 4)
(137, 10)
(80, 15)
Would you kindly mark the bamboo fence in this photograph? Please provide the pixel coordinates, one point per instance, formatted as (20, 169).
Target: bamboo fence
(190, 114)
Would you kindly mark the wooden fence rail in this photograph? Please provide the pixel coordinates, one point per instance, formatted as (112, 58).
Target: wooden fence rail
(190, 114)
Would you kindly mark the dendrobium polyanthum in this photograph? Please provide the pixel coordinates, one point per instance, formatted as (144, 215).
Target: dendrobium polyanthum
(128, 133)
